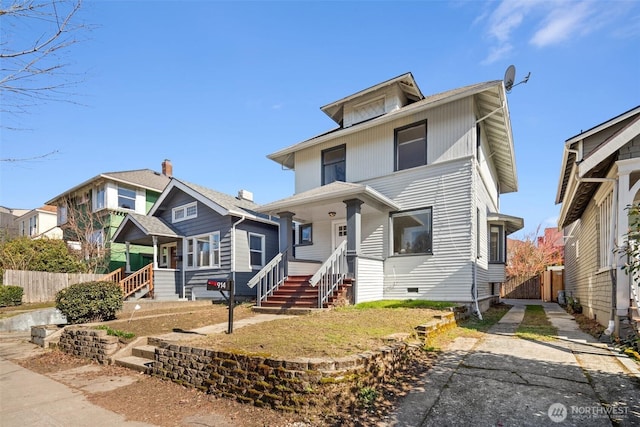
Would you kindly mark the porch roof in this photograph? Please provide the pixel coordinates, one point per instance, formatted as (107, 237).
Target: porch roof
(325, 196)
(147, 227)
(511, 223)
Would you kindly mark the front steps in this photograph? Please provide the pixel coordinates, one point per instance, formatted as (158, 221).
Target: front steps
(296, 294)
(139, 356)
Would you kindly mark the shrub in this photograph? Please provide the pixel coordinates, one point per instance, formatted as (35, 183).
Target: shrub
(90, 302)
(10, 295)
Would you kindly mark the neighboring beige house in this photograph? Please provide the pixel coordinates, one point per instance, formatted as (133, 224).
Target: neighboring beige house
(39, 223)
(599, 178)
(8, 226)
(407, 190)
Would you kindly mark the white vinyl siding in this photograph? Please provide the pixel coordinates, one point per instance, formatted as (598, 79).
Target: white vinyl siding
(370, 153)
(370, 274)
(445, 275)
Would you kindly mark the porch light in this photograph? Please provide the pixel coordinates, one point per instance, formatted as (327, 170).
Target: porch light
(332, 214)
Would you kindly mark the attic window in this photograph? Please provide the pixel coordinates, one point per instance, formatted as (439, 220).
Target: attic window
(184, 212)
(368, 110)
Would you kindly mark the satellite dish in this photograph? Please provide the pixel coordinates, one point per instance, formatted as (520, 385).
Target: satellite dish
(509, 77)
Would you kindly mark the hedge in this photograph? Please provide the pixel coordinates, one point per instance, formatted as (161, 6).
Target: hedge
(10, 295)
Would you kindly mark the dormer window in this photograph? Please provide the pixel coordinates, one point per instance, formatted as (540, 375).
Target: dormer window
(411, 146)
(334, 165)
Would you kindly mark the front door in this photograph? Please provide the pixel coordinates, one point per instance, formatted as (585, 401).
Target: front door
(168, 256)
(339, 233)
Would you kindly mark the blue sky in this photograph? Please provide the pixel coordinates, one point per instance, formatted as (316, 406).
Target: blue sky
(216, 86)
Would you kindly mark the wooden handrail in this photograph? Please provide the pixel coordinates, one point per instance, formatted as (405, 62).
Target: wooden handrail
(115, 276)
(138, 280)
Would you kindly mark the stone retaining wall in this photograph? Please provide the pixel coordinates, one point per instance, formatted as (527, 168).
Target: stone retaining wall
(271, 382)
(92, 344)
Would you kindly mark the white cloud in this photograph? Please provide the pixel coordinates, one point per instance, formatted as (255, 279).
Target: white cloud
(564, 22)
(548, 22)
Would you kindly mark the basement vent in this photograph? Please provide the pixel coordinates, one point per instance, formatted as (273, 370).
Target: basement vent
(412, 290)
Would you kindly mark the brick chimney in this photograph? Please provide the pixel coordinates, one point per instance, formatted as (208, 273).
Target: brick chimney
(167, 168)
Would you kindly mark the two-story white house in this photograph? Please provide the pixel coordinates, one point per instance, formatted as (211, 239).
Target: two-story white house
(406, 190)
(38, 223)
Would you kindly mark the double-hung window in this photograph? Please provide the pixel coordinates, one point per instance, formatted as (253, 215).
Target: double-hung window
(126, 198)
(256, 250)
(203, 251)
(33, 225)
(496, 244)
(99, 198)
(334, 165)
(412, 232)
(411, 146)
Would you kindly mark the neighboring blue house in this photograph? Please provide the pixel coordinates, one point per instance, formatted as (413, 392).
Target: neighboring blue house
(196, 234)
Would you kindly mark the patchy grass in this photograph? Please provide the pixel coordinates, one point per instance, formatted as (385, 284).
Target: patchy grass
(117, 332)
(333, 333)
(472, 327)
(156, 322)
(410, 303)
(535, 325)
(23, 308)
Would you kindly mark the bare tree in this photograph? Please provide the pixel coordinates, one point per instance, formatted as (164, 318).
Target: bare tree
(35, 34)
(530, 257)
(86, 232)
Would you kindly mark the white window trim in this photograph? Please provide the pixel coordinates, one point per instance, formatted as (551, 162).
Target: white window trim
(185, 209)
(162, 262)
(135, 198)
(212, 251)
(605, 211)
(262, 249)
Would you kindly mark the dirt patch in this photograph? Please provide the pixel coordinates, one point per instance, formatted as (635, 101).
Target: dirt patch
(165, 403)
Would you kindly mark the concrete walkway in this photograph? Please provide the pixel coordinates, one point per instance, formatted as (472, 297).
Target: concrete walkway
(30, 399)
(502, 380)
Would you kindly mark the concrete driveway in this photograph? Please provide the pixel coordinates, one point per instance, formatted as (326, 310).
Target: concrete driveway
(502, 380)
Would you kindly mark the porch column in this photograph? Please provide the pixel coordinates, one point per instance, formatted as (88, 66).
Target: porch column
(353, 234)
(286, 239)
(126, 254)
(155, 252)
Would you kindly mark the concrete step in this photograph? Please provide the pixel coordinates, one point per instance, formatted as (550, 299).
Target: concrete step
(146, 351)
(135, 363)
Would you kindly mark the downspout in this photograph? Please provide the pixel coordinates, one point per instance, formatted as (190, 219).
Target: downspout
(233, 249)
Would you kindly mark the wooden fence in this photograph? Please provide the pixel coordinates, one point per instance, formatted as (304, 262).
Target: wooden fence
(40, 286)
(518, 289)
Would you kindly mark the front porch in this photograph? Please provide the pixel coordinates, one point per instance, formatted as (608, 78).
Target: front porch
(321, 231)
(160, 284)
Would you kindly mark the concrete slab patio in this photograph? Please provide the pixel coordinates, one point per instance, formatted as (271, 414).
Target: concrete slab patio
(502, 380)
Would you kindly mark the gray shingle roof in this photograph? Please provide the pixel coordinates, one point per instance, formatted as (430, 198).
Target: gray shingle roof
(153, 225)
(226, 201)
(142, 177)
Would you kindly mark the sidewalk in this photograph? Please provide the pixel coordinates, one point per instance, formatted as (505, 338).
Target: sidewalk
(30, 399)
(502, 380)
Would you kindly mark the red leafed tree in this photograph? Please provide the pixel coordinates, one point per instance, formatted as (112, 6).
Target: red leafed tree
(530, 257)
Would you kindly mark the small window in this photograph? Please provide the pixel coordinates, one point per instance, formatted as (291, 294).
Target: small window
(605, 211)
(334, 165)
(181, 213)
(62, 215)
(256, 250)
(33, 225)
(411, 146)
(127, 198)
(306, 235)
(412, 232)
(496, 244)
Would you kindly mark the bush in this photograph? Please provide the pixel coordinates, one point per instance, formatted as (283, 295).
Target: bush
(90, 302)
(10, 295)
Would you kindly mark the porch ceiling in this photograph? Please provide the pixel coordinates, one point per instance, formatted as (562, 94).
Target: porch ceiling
(316, 204)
